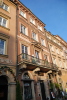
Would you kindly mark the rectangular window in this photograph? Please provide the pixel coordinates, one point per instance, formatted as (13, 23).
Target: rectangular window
(5, 7)
(23, 29)
(39, 27)
(24, 49)
(42, 42)
(37, 54)
(3, 22)
(32, 21)
(2, 46)
(45, 57)
(54, 60)
(24, 52)
(34, 36)
(23, 14)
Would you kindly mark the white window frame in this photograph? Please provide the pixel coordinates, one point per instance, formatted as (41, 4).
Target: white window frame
(45, 57)
(32, 21)
(4, 7)
(23, 29)
(42, 42)
(54, 60)
(25, 48)
(2, 22)
(4, 47)
(34, 36)
(40, 27)
(36, 54)
(23, 14)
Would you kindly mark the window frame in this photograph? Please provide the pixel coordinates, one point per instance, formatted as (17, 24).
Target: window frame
(4, 6)
(23, 14)
(37, 54)
(23, 29)
(34, 36)
(23, 49)
(40, 27)
(43, 42)
(32, 21)
(2, 22)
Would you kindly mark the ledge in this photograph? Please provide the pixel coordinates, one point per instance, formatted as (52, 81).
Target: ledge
(1, 55)
(4, 35)
(5, 27)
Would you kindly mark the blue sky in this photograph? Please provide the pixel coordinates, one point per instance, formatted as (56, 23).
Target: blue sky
(51, 12)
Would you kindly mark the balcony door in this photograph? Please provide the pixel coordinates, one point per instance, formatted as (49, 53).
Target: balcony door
(24, 51)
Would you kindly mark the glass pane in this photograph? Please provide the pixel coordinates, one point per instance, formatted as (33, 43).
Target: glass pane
(4, 22)
(0, 20)
(6, 7)
(2, 43)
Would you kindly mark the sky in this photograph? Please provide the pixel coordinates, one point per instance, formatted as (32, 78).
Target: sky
(51, 12)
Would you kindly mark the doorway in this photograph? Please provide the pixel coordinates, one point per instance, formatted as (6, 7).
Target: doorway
(3, 88)
(42, 90)
(27, 87)
(27, 91)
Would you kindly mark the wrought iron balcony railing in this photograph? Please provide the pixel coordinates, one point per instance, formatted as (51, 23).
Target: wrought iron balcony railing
(33, 60)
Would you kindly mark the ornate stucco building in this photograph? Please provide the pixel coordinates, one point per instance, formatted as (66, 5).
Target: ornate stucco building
(34, 59)
(7, 50)
(58, 50)
(28, 53)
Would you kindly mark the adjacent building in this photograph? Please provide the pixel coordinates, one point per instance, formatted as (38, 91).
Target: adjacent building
(58, 50)
(7, 50)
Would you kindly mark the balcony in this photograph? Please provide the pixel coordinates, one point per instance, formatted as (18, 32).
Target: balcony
(33, 61)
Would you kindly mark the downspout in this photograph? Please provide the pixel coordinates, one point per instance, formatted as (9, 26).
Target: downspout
(17, 68)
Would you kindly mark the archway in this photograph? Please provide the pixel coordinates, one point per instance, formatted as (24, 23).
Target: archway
(3, 88)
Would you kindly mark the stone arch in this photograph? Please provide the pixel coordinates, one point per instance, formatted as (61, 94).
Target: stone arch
(30, 75)
(8, 72)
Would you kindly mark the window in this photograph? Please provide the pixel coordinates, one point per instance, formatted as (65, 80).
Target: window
(23, 29)
(34, 36)
(24, 49)
(36, 54)
(2, 46)
(42, 42)
(23, 14)
(3, 22)
(51, 48)
(5, 7)
(24, 52)
(45, 57)
(39, 27)
(32, 21)
(54, 60)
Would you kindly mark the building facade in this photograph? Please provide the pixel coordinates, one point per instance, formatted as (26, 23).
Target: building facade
(34, 60)
(29, 53)
(7, 50)
(58, 50)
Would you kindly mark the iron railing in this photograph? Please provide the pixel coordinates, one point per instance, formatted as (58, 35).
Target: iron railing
(33, 60)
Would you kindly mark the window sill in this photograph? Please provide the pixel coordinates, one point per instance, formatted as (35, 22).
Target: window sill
(3, 55)
(4, 27)
(23, 17)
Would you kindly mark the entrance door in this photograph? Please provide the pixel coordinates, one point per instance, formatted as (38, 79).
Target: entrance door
(27, 91)
(42, 90)
(3, 88)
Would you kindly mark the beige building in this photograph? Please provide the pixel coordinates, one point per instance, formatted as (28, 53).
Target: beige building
(58, 50)
(34, 60)
(7, 50)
